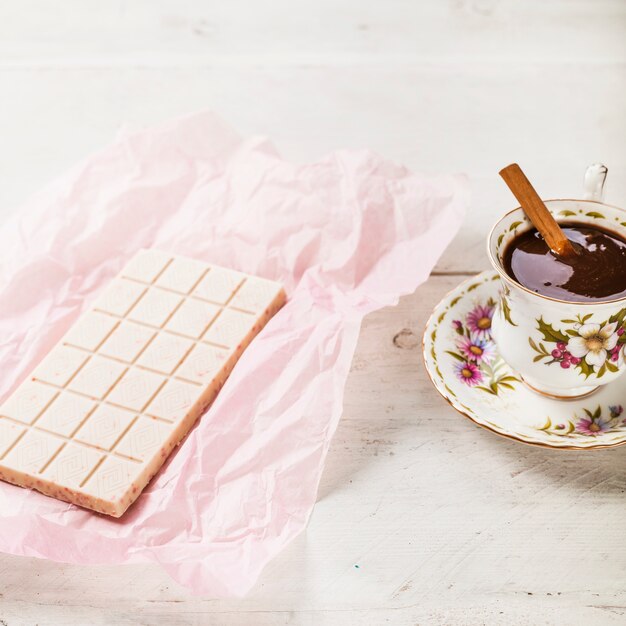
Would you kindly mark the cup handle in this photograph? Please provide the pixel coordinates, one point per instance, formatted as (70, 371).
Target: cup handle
(593, 184)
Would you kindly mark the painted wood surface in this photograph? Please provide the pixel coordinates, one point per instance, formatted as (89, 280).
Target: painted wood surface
(422, 517)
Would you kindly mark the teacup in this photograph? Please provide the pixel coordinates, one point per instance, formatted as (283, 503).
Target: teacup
(560, 348)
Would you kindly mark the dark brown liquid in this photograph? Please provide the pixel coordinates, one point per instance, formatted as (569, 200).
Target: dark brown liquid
(597, 273)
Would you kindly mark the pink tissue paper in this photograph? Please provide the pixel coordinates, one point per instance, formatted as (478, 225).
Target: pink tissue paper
(346, 235)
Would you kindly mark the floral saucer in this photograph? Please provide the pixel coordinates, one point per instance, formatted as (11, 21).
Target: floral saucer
(463, 362)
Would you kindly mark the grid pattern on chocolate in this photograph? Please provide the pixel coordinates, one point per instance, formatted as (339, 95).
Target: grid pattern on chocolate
(103, 402)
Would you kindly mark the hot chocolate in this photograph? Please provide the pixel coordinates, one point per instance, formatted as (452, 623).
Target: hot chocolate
(596, 274)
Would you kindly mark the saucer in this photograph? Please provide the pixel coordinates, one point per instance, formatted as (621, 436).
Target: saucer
(464, 365)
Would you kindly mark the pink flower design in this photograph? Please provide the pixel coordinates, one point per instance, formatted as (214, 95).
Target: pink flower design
(616, 355)
(589, 426)
(468, 373)
(476, 349)
(479, 321)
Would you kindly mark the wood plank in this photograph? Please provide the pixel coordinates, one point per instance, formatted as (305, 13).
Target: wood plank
(527, 611)
(447, 523)
(88, 32)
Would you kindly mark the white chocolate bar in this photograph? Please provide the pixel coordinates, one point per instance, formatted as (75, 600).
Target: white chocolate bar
(102, 412)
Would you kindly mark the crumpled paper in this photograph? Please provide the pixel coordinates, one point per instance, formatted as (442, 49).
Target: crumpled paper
(346, 235)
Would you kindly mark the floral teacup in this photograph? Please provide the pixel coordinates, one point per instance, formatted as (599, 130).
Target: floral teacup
(560, 348)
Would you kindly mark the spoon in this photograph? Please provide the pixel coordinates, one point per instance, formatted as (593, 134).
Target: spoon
(537, 212)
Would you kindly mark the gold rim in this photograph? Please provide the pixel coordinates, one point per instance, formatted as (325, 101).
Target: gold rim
(519, 439)
(555, 396)
(508, 279)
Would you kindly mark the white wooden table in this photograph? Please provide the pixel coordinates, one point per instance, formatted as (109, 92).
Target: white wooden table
(422, 517)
